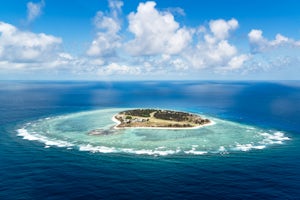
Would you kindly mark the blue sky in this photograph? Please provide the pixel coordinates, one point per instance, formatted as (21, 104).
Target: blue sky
(163, 39)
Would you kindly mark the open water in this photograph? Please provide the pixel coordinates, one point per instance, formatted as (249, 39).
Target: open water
(251, 152)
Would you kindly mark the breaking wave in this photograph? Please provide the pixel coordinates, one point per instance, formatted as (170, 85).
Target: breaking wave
(71, 131)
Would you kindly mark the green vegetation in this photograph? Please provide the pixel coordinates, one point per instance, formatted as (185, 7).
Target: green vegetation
(159, 118)
(172, 115)
(139, 112)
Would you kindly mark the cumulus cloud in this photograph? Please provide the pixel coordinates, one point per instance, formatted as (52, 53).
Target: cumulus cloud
(214, 49)
(179, 64)
(108, 25)
(260, 44)
(160, 44)
(272, 54)
(237, 61)
(118, 69)
(34, 10)
(154, 43)
(22, 46)
(221, 28)
(155, 32)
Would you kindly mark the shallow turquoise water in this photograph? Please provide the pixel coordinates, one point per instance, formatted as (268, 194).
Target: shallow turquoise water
(71, 131)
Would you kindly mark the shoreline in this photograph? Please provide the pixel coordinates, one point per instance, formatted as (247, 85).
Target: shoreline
(163, 128)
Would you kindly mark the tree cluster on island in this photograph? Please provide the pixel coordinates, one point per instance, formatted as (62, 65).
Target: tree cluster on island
(159, 118)
(173, 115)
(139, 112)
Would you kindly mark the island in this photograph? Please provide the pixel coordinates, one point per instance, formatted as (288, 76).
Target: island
(157, 118)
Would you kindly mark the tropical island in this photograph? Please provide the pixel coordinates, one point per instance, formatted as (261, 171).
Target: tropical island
(156, 118)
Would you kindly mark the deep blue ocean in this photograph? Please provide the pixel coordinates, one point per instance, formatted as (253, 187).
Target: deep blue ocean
(28, 170)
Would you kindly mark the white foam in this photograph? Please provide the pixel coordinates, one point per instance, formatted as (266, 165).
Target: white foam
(94, 149)
(154, 152)
(57, 143)
(259, 147)
(195, 152)
(222, 149)
(24, 133)
(248, 147)
(103, 149)
(47, 141)
(149, 152)
(276, 138)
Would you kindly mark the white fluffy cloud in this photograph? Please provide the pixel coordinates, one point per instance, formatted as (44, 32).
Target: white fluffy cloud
(271, 55)
(259, 43)
(34, 10)
(107, 39)
(237, 61)
(155, 32)
(152, 44)
(118, 69)
(23, 46)
(221, 28)
(214, 49)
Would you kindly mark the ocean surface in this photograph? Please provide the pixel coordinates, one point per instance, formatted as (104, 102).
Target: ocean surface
(252, 151)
